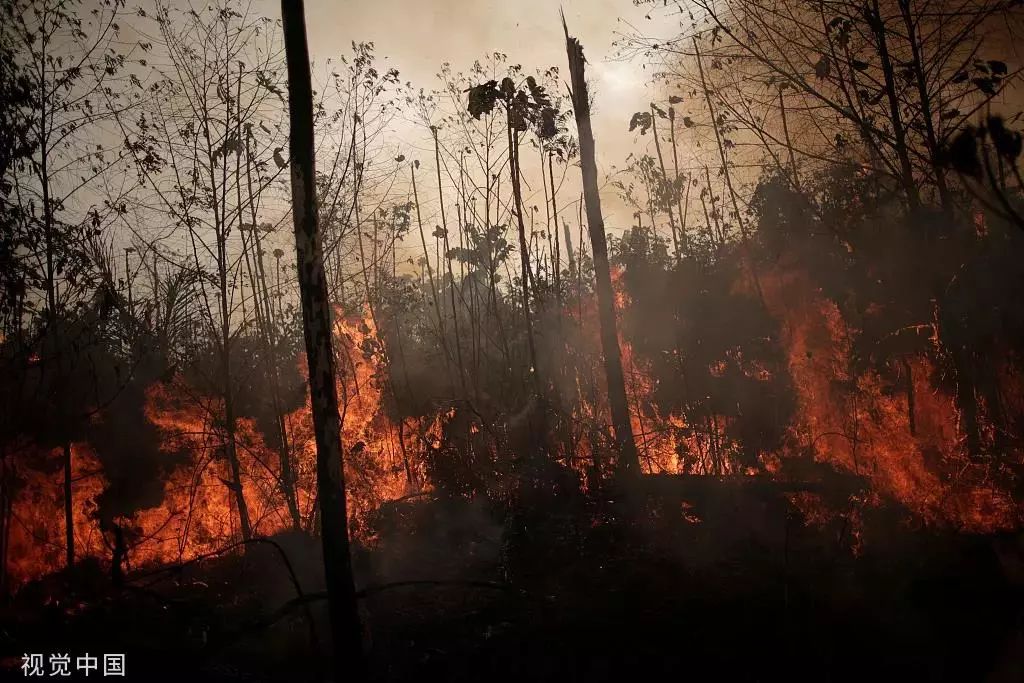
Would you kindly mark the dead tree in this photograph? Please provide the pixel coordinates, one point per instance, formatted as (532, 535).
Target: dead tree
(628, 461)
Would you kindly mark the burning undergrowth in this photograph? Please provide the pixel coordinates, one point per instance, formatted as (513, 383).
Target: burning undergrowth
(754, 363)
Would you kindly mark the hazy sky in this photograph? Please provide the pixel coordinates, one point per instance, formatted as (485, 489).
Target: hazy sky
(417, 36)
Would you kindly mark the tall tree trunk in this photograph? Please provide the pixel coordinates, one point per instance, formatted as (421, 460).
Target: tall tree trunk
(568, 247)
(442, 335)
(448, 261)
(967, 400)
(261, 294)
(219, 191)
(524, 249)
(341, 595)
(6, 508)
(714, 214)
(628, 460)
(874, 17)
(69, 516)
(684, 209)
(927, 112)
(908, 371)
(230, 426)
(664, 179)
(744, 235)
(789, 145)
(554, 228)
(53, 321)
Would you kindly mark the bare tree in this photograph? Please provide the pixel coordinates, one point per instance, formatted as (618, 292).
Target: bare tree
(880, 84)
(73, 72)
(214, 120)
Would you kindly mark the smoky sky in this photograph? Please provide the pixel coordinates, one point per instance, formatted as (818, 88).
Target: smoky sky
(418, 36)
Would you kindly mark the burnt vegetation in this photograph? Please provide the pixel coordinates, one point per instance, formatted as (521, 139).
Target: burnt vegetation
(767, 421)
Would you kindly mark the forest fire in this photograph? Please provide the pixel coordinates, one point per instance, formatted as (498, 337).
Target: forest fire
(314, 370)
(197, 513)
(901, 439)
(911, 453)
(904, 439)
(35, 546)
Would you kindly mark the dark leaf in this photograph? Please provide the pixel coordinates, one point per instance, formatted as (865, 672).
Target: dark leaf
(1007, 142)
(548, 128)
(962, 153)
(641, 120)
(482, 98)
(985, 85)
(822, 68)
(540, 97)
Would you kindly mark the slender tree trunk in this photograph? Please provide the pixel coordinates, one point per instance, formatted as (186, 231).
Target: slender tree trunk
(789, 144)
(54, 322)
(6, 508)
(684, 210)
(69, 515)
(554, 228)
(524, 250)
(579, 265)
(926, 104)
(231, 440)
(712, 217)
(441, 333)
(568, 247)
(451, 274)
(231, 445)
(896, 118)
(728, 178)
(341, 596)
(908, 370)
(128, 281)
(62, 416)
(287, 480)
(220, 230)
(628, 461)
(963, 362)
(664, 179)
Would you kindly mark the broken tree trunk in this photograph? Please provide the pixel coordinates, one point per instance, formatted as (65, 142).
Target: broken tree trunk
(628, 460)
